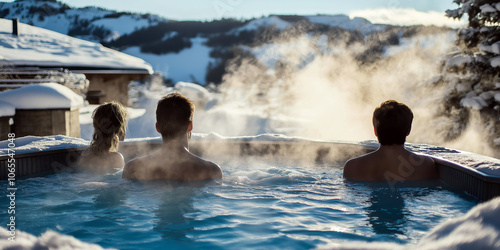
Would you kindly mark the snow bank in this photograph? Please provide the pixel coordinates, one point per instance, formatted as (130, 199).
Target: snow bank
(42, 96)
(478, 229)
(33, 144)
(264, 22)
(344, 22)
(48, 240)
(196, 93)
(6, 109)
(41, 47)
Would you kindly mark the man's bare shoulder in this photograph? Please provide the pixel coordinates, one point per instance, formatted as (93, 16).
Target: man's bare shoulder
(425, 166)
(132, 167)
(353, 167)
(215, 170)
(210, 169)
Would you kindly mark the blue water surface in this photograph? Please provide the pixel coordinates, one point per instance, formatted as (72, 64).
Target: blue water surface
(260, 204)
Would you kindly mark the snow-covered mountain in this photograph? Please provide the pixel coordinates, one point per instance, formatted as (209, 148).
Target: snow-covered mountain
(89, 23)
(170, 46)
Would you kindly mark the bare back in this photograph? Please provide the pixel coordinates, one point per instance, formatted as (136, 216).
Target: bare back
(100, 163)
(391, 164)
(180, 165)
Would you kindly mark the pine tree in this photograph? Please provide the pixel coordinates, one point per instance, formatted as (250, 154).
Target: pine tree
(472, 71)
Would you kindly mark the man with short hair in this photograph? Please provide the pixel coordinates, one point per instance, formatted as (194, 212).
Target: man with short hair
(391, 162)
(174, 121)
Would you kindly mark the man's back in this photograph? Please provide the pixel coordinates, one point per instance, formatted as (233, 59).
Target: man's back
(167, 165)
(393, 164)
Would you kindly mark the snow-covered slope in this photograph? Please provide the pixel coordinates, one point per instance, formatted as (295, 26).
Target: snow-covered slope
(344, 22)
(41, 47)
(89, 23)
(188, 65)
(271, 21)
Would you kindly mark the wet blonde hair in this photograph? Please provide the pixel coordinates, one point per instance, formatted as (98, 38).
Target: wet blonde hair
(110, 120)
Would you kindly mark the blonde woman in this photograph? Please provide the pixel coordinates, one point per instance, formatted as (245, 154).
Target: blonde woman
(110, 120)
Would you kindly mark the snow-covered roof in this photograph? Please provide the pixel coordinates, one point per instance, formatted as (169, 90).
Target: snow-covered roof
(44, 48)
(6, 109)
(42, 96)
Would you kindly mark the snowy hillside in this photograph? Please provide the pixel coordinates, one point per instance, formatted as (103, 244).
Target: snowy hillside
(90, 23)
(272, 21)
(169, 46)
(345, 22)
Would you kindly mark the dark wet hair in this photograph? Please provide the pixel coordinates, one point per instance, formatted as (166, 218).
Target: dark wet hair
(173, 115)
(392, 122)
(110, 121)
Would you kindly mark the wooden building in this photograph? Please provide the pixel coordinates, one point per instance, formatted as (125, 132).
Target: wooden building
(109, 71)
(44, 109)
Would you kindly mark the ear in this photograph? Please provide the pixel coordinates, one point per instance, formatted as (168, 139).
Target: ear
(190, 127)
(375, 131)
(157, 130)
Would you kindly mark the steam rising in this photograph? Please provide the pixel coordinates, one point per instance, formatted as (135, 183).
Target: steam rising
(316, 86)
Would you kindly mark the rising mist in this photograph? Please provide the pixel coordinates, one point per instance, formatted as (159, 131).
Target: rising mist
(326, 87)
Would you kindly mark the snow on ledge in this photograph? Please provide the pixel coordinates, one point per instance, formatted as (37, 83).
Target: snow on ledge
(33, 144)
(42, 96)
(481, 163)
(6, 109)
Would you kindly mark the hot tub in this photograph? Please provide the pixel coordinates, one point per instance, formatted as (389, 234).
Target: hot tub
(275, 194)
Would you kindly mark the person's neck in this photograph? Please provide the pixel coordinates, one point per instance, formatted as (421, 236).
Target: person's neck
(179, 143)
(392, 148)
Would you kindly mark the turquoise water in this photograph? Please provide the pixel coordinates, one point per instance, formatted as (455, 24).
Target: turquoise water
(259, 205)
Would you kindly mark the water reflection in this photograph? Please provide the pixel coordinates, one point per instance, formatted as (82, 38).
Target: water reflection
(387, 212)
(174, 215)
(110, 197)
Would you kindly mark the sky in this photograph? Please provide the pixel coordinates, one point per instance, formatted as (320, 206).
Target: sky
(375, 10)
(216, 9)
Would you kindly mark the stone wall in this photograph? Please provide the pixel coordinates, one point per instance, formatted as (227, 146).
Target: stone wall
(47, 122)
(114, 87)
